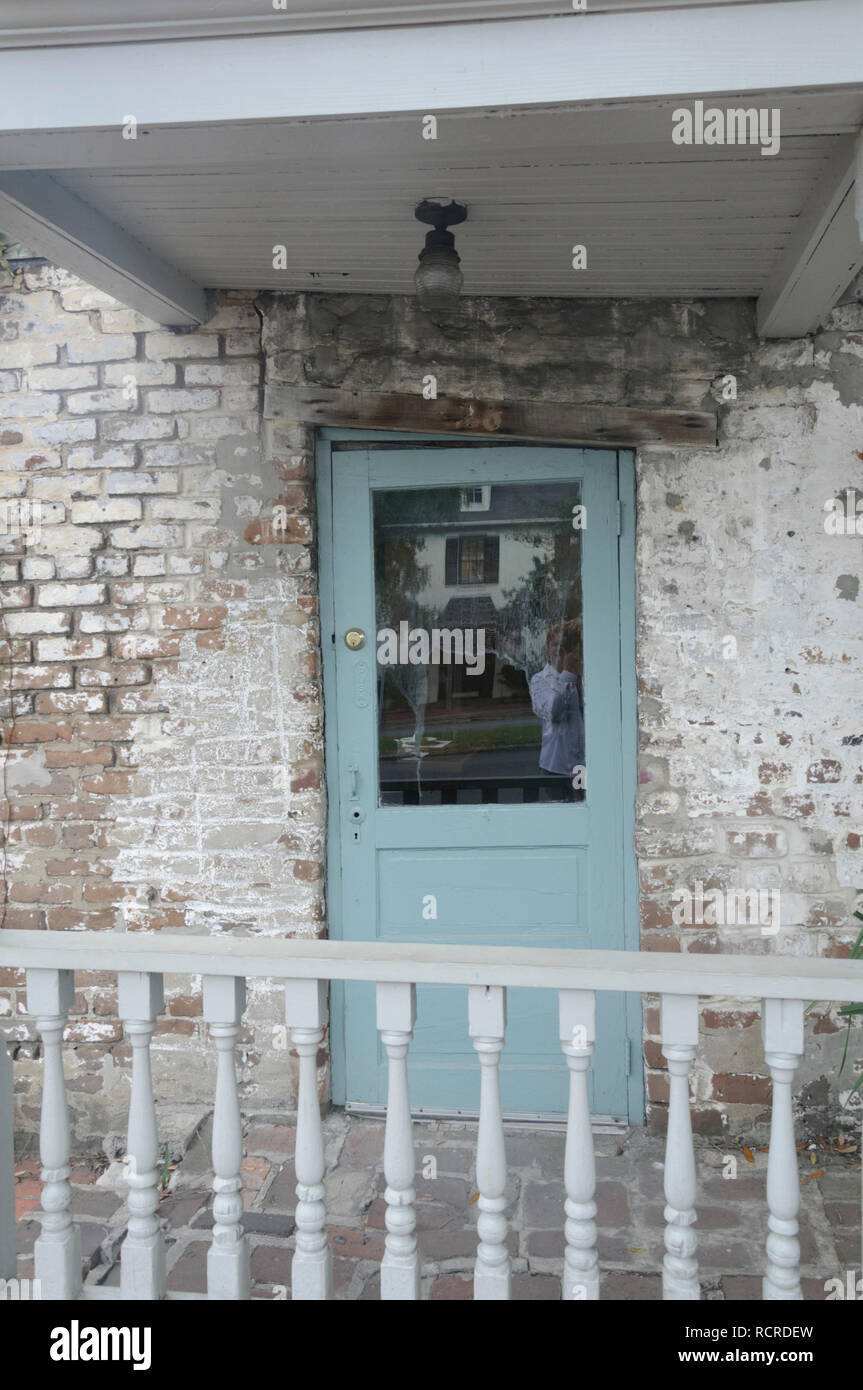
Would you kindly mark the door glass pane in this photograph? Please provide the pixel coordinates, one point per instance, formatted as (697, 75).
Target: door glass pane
(480, 670)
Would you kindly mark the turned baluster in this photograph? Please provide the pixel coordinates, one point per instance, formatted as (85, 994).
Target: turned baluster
(228, 1256)
(679, 1029)
(577, 1013)
(400, 1267)
(487, 1015)
(782, 1031)
(142, 1257)
(311, 1267)
(57, 1252)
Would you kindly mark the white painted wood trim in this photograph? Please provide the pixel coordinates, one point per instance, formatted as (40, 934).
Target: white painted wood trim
(434, 68)
(824, 255)
(39, 212)
(746, 977)
(92, 21)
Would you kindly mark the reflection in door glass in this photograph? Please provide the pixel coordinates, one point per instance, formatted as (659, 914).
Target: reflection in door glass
(480, 668)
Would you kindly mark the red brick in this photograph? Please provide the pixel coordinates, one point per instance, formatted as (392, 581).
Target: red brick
(136, 644)
(89, 1031)
(186, 1006)
(79, 809)
(655, 915)
(100, 755)
(735, 1088)
(707, 944)
(40, 836)
(305, 779)
(156, 921)
(42, 892)
(210, 589)
(99, 979)
(106, 730)
(72, 648)
(104, 1002)
(108, 892)
(76, 866)
(307, 870)
(23, 919)
(298, 531)
(824, 770)
(730, 1018)
(653, 1054)
(657, 1086)
(70, 702)
(129, 673)
(140, 592)
(84, 835)
(660, 943)
(33, 731)
(108, 783)
(194, 617)
(75, 919)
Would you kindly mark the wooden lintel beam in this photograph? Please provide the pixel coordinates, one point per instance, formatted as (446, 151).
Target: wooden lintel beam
(558, 421)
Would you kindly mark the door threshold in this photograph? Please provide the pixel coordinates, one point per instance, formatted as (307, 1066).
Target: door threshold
(600, 1124)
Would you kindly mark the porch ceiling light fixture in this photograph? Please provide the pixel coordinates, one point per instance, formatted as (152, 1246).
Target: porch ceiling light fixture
(438, 278)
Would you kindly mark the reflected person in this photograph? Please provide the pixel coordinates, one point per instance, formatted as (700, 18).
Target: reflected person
(555, 700)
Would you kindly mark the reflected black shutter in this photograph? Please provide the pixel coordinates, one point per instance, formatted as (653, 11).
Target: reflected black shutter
(451, 561)
(491, 560)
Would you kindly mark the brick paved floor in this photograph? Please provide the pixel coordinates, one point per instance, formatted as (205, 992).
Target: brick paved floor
(731, 1223)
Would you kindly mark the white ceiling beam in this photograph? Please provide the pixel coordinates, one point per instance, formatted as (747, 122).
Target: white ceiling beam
(48, 219)
(588, 56)
(824, 255)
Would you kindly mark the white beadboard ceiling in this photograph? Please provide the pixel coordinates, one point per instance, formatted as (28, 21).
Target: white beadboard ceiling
(657, 219)
(32, 23)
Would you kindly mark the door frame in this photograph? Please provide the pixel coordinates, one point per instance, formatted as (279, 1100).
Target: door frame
(324, 440)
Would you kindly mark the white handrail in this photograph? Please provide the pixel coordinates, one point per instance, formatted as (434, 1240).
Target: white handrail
(761, 977)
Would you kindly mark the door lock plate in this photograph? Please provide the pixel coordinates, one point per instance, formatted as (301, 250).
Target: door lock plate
(354, 639)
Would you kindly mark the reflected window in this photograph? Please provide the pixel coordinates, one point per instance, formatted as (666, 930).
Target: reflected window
(480, 673)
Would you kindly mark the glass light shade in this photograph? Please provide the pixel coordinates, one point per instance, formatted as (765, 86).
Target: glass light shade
(438, 279)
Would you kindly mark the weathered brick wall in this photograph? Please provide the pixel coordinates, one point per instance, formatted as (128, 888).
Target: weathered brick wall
(749, 614)
(165, 749)
(166, 766)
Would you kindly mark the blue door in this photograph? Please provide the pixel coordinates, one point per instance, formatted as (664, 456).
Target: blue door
(475, 763)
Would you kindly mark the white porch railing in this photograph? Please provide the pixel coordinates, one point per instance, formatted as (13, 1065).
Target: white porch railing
(50, 958)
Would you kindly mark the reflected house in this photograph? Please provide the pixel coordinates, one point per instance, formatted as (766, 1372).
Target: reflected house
(503, 560)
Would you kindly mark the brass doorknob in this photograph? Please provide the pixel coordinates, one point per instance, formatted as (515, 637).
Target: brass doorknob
(354, 639)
